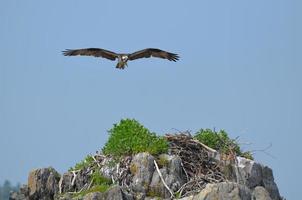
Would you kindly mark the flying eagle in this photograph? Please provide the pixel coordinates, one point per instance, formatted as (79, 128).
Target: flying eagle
(122, 58)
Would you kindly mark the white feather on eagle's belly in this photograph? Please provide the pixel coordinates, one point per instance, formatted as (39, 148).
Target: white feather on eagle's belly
(122, 58)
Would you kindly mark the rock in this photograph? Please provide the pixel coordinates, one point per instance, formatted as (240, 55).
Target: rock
(81, 179)
(269, 183)
(65, 183)
(260, 193)
(136, 178)
(253, 174)
(114, 193)
(247, 172)
(43, 183)
(65, 196)
(224, 191)
(187, 198)
(172, 173)
(142, 168)
(127, 194)
(230, 191)
(94, 196)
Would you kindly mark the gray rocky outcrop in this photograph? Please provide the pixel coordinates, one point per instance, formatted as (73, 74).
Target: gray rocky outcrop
(42, 184)
(253, 174)
(246, 180)
(71, 182)
(260, 193)
(225, 191)
(230, 191)
(142, 168)
(173, 176)
(114, 193)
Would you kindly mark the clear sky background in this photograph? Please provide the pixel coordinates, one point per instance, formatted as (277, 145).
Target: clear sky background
(240, 70)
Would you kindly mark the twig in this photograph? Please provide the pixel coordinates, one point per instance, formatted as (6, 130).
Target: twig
(60, 184)
(74, 177)
(117, 168)
(82, 188)
(265, 151)
(112, 178)
(162, 179)
(96, 161)
(182, 165)
(89, 185)
(205, 146)
(182, 188)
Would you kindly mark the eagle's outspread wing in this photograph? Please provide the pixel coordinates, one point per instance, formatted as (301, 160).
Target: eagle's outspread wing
(91, 52)
(146, 53)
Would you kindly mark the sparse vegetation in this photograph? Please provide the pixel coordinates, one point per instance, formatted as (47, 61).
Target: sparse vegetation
(98, 179)
(221, 142)
(83, 164)
(154, 195)
(130, 137)
(98, 188)
(99, 184)
(162, 161)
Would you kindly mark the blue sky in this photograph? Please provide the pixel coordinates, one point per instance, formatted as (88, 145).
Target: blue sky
(240, 70)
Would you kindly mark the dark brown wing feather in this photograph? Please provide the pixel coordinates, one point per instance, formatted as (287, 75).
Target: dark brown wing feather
(91, 52)
(147, 53)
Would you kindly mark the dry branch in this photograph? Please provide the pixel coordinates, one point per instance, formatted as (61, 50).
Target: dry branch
(162, 179)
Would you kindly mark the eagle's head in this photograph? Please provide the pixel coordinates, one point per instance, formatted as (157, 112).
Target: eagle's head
(124, 58)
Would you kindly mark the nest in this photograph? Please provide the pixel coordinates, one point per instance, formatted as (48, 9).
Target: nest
(198, 166)
(197, 161)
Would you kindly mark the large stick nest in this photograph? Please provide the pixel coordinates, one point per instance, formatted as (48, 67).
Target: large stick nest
(198, 166)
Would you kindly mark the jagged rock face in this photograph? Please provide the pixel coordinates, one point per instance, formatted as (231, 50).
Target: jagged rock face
(142, 168)
(69, 182)
(93, 196)
(43, 183)
(269, 183)
(253, 174)
(115, 193)
(260, 193)
(225, 191)
(66, 182)
(230, 191)
(173, 175)
(250, 181)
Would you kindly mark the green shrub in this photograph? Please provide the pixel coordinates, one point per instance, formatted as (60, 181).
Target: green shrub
(220, 141)
(130, 137)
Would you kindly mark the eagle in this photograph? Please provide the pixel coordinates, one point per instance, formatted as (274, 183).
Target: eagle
(123, 58)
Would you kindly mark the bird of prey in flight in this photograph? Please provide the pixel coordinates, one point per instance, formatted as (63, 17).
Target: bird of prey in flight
(122, 57)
